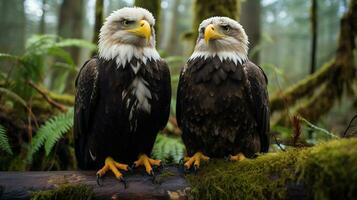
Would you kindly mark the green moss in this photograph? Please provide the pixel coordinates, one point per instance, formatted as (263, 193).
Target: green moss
(165, 174)
(65, 192)
(65, 99)
(326, 171)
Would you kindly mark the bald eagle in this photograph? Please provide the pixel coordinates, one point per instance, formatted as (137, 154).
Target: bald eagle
(122, 96)
(222, 100)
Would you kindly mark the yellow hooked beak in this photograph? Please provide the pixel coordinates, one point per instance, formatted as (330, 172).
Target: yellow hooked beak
(143, 30)
(211, 33)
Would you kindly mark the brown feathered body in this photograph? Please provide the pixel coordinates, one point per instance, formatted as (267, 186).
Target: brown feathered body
(222, 107)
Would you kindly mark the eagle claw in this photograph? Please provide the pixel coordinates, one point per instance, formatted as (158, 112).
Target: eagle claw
(125, 183)
(99, 180)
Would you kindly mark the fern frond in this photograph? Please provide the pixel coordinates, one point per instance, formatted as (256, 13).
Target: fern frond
(61, 124)
(4, 141)
(5, 56)
(166, 148)
(49, 133)
(76, 43)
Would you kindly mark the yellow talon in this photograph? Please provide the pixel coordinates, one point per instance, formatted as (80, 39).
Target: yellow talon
(195, 160)
(147, 163)
(112, 165)
(238, 157)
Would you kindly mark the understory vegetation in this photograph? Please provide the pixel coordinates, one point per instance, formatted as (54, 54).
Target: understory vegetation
(37, 89)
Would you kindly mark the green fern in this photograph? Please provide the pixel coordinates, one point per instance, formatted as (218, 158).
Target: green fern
(4, 56)
(53, 130)
(4, 141)
(168, 148)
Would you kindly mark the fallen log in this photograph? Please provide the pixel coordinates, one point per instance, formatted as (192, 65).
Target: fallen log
(23, 185)
(325, 171)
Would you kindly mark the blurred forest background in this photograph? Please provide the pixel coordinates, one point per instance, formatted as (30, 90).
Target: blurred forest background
(306, 48)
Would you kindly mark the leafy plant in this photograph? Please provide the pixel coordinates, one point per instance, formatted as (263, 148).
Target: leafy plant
(51, 132)
(168, 148)
(33, 63)
(4, 141)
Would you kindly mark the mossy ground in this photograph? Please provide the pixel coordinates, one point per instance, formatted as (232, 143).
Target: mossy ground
(65, 192)
(326, 171)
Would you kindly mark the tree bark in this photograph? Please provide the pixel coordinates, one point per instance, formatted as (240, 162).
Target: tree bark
(313, 18)
(12, 31)
(173, 39)
(251, 22)
(70, 23)
(42, 29)
(99, 9)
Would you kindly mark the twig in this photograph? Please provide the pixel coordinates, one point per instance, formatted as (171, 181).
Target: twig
(349, 126)
(312, 126)
(277, 142)
(295, 121)
(44, 93)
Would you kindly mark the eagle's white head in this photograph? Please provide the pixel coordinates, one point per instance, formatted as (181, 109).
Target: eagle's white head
(222, 37)
(128, 33)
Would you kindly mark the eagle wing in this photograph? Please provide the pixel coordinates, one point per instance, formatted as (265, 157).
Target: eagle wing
(85, 100)
(259, 101)
(165, 94)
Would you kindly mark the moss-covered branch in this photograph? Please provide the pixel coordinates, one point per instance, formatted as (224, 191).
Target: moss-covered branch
(327, 171)
(337, 75)
(301, 89)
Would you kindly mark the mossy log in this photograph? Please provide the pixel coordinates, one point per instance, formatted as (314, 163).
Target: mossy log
(82, 185)
(326, 171)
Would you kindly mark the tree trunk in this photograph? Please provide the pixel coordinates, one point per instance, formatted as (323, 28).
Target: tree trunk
(313, 18)
(204, 9)
(42, 29)
(251, 22)
(70, 23)
(154, 6)
(99, 9)
(174, 38)
(12, 31)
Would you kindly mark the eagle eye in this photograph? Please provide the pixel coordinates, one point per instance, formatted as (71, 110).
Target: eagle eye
(127, 22)
(226, 28)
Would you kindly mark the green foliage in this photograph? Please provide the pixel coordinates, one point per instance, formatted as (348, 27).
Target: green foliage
(4, 141)
(4, 56)
(49, 133)
(169, 149)
(65, 192)
(326, 171)
(12, 95)
(33, 64)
